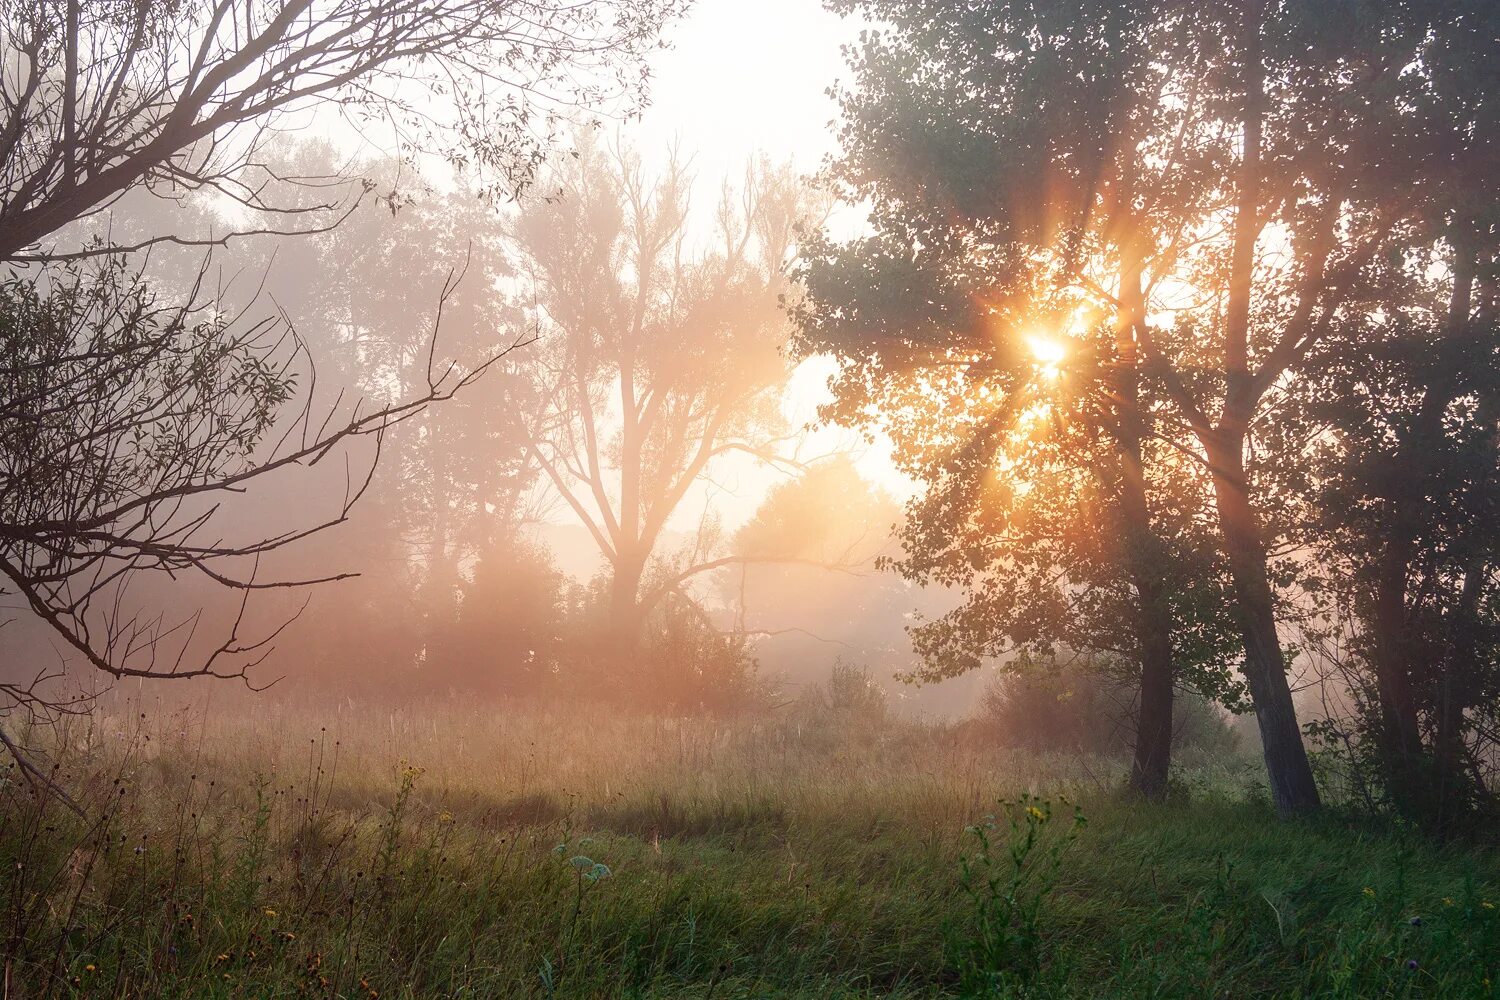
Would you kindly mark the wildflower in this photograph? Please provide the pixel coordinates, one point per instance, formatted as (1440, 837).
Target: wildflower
(1416, 921)
(270, 912)
(1487, 905)
(445, 817)
(1447, 900)
(1368, 892)
(89, 968)
(1036, 814)
(1411, 965)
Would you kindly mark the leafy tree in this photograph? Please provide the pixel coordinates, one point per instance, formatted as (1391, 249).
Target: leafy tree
(1217, 182)
(1394, 428)
(1016, 398)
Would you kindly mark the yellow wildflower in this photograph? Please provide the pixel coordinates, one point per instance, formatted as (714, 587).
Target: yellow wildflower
(270, 912)
(1447, 900)
(1368, 892)
(1035, 813)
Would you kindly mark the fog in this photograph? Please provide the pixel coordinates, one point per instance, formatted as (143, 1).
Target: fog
(479, 559)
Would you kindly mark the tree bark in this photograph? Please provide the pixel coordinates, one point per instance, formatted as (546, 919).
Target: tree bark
(1423, 792)
(1152, 760)
(624, 601)
(1292, 786)
(1150, 766)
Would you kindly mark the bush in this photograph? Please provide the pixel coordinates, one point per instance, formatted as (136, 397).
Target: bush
(1086, 707)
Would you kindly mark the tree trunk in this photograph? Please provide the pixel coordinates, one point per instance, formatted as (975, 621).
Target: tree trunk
(1400, 737)
(1153, 737)
(1292, 787)
(1424, 793)
(1145, 561)
(625, 623)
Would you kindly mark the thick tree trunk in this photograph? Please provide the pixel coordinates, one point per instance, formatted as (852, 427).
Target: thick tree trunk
(1292, 787)
(625, 614)
(1145, 562)
(1153, 738)
(1423, 786)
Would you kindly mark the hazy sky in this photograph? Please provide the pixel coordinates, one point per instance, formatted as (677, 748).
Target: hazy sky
(744, 77)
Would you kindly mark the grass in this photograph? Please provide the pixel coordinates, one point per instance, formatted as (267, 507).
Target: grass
(263, 849)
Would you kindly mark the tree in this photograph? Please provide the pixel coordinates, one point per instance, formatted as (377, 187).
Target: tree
(1215, 180)
(454, 481)
(1018, 404)
(130, 416)
(806, 580)
(103, 98)
(658, 358)
(1398, 413)
(126, 424)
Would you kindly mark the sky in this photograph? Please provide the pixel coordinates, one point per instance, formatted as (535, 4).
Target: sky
(747, 76)
(742, 78)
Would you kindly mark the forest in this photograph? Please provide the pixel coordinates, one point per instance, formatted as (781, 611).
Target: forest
(701, 498)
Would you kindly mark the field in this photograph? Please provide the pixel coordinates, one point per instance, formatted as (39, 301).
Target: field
(260, 849)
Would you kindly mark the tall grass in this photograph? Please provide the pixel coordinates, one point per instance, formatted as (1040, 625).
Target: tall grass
(448, 849)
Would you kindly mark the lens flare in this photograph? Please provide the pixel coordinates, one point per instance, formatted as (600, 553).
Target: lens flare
(1048, 354)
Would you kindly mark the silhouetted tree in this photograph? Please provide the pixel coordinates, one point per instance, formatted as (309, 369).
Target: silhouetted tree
(1214, 181)
(661, 355)
(103, 98)
(1392, 440)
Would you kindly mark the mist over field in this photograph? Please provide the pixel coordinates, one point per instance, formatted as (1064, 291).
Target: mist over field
(649, 498)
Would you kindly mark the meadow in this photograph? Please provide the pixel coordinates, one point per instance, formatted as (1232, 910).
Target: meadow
(256, 848)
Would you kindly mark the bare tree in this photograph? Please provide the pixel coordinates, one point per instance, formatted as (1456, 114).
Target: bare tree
(132, 417)
(662, 358)
(101, 98)
(126, 428)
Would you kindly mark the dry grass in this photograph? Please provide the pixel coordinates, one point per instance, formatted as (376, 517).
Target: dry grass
(278, 848)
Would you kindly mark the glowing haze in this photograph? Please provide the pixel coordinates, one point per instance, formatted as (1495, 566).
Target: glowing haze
(742, 80)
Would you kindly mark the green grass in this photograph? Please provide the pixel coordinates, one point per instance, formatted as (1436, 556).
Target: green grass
(254, 853)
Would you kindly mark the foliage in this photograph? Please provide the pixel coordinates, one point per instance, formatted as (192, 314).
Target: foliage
(1403, 412)
(1219, 220)
(1008, 878)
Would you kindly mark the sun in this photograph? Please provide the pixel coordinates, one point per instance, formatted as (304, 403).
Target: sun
(1047, 354)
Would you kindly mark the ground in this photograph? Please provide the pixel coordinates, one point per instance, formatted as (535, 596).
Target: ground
(448, 849)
